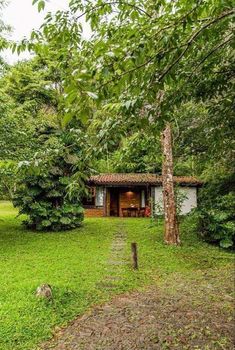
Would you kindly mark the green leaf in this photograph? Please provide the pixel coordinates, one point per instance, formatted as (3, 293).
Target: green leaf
(46, 223)
(128, 104)
(65, 221)
(226, 243)
(110, 54)
(71, 159)
(56, 171)
(92, 95)
(67, 119)
(64, 180)
(41, 5)
(54, 193)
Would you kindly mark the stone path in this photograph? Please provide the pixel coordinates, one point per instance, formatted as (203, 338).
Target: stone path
(116, 260)
(151, 320)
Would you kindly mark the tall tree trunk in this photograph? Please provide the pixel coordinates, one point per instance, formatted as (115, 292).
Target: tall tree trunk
(171, 235)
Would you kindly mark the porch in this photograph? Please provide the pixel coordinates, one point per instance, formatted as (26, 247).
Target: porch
(131, 201)
(117, 201)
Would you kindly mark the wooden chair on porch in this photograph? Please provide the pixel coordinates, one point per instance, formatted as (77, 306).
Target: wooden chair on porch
(141, 213)
(130, 212)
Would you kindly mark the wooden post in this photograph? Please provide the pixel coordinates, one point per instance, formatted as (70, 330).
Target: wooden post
(134, 255)
(171, 223)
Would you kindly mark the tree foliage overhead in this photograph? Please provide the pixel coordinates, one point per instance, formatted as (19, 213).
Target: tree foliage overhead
(143, 54)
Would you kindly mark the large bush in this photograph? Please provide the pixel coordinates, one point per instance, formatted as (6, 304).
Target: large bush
(52, 184)
(215, 215)
(7, 178)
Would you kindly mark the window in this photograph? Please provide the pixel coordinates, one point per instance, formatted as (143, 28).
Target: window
(142, 199)
(99, 198)
(89, 200)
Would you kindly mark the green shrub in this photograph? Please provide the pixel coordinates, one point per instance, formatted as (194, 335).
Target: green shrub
(215, 215)
(52, 184)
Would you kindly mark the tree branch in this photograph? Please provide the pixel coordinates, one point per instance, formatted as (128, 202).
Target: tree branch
(114, 3)
(179, 20)
(193, 37)
(212, 51)
(143, 64)
(186, 45)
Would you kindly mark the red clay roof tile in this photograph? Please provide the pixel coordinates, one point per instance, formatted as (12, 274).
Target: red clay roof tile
(139, 179)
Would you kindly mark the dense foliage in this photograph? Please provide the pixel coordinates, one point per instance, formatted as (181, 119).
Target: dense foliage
(47, 191)
(216, 217)
(27, 102)
(27, 114)
(138, 153)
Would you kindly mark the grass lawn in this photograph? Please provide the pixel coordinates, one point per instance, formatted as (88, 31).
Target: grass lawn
(76, 262)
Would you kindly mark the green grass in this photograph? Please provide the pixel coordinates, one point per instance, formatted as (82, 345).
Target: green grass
(74, 263)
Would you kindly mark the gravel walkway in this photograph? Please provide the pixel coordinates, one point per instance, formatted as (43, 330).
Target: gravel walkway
(178, 315)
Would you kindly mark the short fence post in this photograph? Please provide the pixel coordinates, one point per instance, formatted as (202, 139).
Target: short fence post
(134, 255)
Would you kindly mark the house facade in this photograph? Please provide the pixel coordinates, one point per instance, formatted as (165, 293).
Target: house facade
(135, 195)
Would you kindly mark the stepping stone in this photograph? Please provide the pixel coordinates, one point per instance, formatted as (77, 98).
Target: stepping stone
(118, 263)
(113, 278)
(106, 285)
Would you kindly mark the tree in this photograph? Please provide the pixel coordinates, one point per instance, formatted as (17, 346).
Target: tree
(171, 222)
(44, 185)
(28, 103)
(138, 152)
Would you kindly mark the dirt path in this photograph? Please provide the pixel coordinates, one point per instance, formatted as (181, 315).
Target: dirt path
(178, 315)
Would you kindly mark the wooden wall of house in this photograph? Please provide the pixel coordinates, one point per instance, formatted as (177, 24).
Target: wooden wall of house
(93, 212)
(127, 199)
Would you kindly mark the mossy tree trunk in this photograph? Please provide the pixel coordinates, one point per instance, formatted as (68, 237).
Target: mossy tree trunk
(171, 234)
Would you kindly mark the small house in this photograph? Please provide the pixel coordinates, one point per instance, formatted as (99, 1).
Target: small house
(135, 195)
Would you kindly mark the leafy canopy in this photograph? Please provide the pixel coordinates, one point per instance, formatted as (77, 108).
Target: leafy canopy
(142, 54)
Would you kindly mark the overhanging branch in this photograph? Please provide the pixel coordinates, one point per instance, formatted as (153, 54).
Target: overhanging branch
(94, 8)
(192, 39)
(212, 51)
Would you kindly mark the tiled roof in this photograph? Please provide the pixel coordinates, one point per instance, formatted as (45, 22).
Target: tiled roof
(139, 179)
